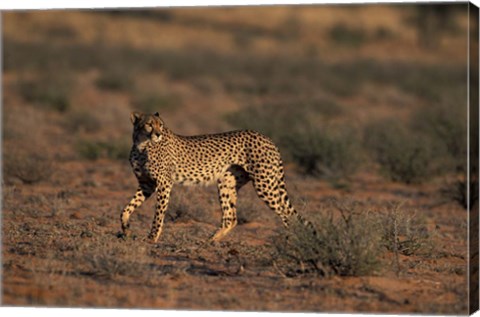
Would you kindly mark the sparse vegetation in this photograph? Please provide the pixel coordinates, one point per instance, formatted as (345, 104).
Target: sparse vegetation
(152, 102)
(349, 239)
(446, 123)
(404, 232)
(347, 242)
(457, 190)
(403, 155)
(82, 121)
(29, 168)
(329, 152)
(115, 79)
(49, 91)
(432, 22)
(115, 262)
(325, 152)
(259, 118)
(187, 205)
(348, 36)
(61, 32)
(93, 150)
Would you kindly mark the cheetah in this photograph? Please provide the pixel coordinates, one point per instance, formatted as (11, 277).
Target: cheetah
(160, 159)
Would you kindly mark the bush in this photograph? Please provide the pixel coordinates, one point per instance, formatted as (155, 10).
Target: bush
(115, 78)
(446, 124)
(457, 191)
(325, 152)
(50, 91)
(61, 32)
(404, 155)
(344, 35)
(93, 150)
(82, 121)
(274, 120)
(30, 168)
(152, 102)
(114, 260)
(348, 243)
(110, 266)
(318, 152)
(403, 231)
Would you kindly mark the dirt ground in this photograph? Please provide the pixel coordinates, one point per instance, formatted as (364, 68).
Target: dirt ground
(61, 222)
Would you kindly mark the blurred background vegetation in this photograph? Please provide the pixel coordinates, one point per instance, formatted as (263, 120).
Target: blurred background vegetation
(343, 90)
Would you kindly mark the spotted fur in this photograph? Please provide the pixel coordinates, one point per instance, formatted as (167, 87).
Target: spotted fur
(160, 158)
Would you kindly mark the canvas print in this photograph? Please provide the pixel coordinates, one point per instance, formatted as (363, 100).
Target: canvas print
(308, 158)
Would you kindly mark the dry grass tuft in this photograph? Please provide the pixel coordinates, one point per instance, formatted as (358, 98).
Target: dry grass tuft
(404, 232)
(29, 168)
(347, 242)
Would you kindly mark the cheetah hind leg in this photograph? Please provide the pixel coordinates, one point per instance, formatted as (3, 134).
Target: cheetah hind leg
(228, 186)
(272, 191)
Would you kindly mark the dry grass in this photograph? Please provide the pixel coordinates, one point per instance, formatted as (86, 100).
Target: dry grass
(187, 203)
(349, 238)
(403, 155)
(50, 90)
(404, 232)
(346, 242)
(29, 168)
(82, 121)
(93, 149)
(458, 191)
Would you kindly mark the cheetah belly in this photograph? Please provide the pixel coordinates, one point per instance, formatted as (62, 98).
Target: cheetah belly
(200, 174)
(204, 170)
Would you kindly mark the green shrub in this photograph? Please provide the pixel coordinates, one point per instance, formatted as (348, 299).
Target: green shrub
(50, 91)
(115, 78)
(274, 120)
(445, 123)
(93, 150)
(346, 243)
(82, 121)
(330, 153)
(348, 36)
(152, 102)
(383, 33)
(326, 152)
(403, 154)
(278, 119)
(61, 32)
(243, 73)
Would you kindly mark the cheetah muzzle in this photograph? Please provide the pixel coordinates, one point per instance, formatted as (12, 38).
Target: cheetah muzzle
(160, 159)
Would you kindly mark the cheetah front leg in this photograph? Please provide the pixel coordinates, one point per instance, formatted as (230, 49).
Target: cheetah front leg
(142, 194)
(163, 196)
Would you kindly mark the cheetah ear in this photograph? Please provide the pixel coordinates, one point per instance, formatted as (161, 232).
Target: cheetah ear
(156, 114)
(135, 116)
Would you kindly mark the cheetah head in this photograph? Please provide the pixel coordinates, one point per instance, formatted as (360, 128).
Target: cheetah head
(147, 127)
